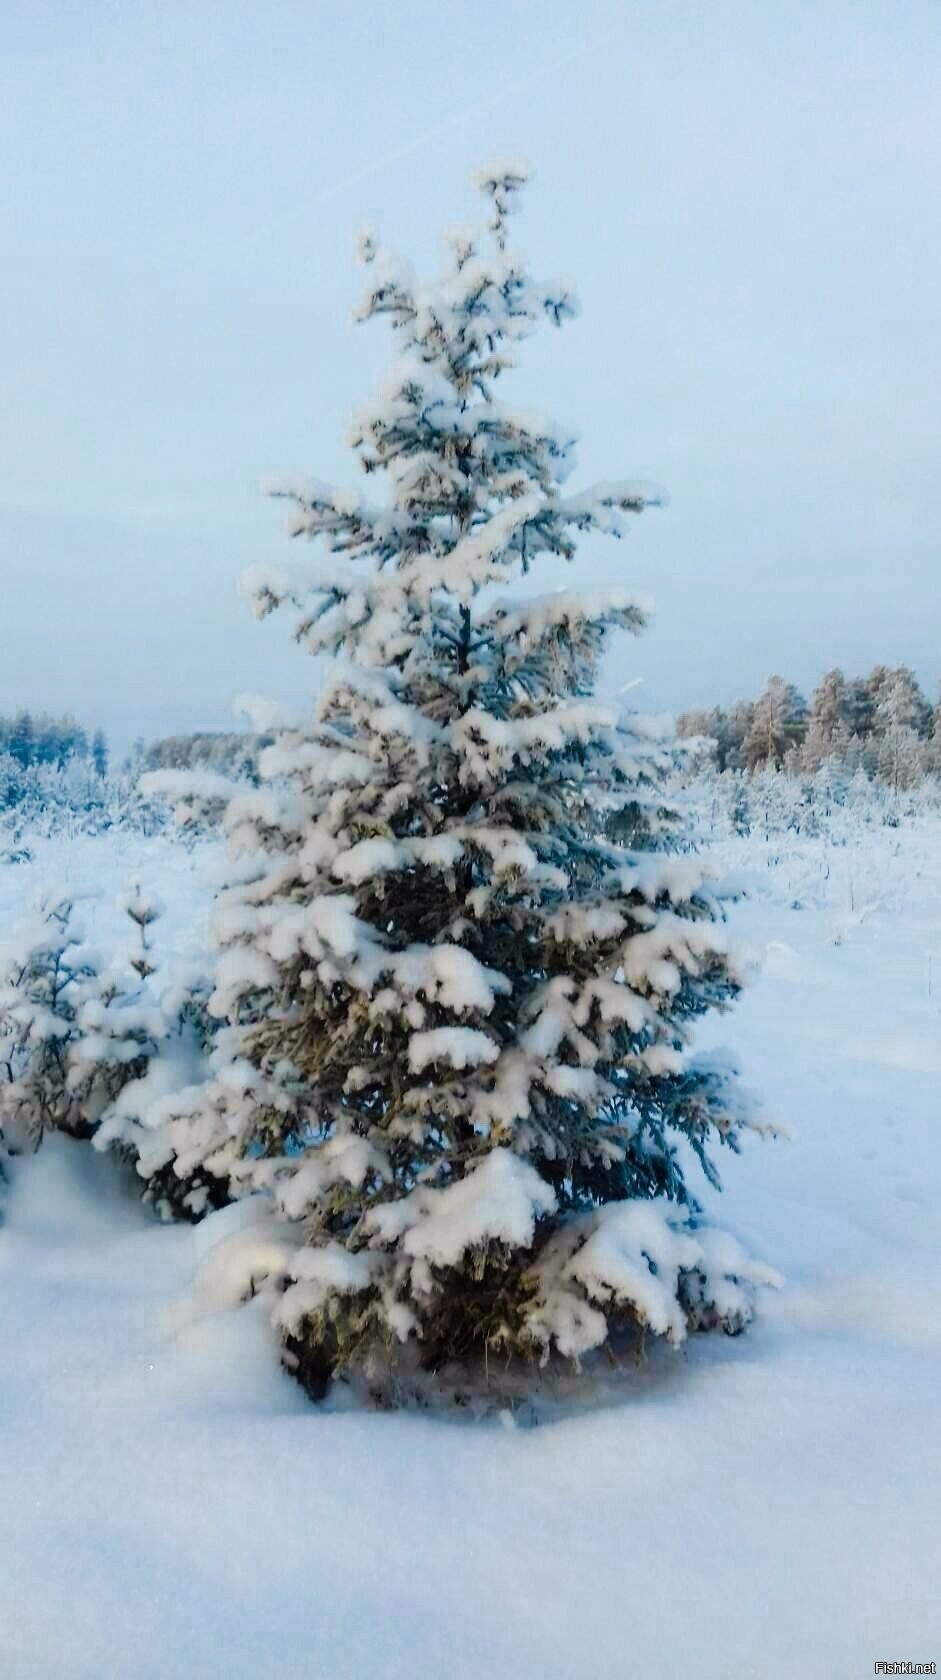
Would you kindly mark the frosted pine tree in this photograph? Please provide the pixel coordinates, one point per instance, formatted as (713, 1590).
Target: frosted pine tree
(778, 724)
(932, 746)
(899, 760)
(45, 971)
(458, 978)
(140, 1049)
(828, 733)
(98, 1053)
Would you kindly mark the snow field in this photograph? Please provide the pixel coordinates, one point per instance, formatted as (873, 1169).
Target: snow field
(170, 1504)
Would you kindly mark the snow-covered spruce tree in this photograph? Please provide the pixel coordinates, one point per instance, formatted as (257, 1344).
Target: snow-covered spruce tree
(136, 1058)
(458, 981)
(97, 1052)
(46, 970)
(139, 1042)
(828, 732)
(778, 725)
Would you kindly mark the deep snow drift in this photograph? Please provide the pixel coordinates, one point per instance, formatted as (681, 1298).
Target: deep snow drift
(171, 1505)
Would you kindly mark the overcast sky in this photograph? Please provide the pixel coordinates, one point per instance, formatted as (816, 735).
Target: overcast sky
(745, 195)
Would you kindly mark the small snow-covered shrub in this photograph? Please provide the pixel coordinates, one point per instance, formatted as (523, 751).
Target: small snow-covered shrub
(42, 800)
(845, 844)
(98, 1051)
(45, 972)
(138, 1048)
(173, 1037)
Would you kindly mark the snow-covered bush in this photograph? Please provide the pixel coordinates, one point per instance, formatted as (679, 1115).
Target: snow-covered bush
(138, 1056)
(140, 1040)
(845, 844)
(831, 801)
(96, 1051)
(457, 981)
(41, 800)
(45, 972)
(197, 798)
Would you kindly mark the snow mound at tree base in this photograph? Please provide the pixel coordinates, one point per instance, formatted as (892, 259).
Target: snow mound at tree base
(585, 1307)
(393, 1377)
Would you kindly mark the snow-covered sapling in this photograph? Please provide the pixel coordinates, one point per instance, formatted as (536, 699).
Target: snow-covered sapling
(45, 970)
(141, 1047)
(142, 911)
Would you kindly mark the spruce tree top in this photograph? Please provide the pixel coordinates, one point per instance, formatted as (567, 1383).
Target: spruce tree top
(474, 486)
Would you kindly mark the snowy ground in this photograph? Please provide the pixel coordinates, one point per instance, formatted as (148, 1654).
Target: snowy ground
(170, 1505)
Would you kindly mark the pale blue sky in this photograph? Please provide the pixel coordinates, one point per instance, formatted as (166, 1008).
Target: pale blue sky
(744, 194)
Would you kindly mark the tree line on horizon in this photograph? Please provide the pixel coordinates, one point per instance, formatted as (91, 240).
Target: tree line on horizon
(229, 752)
(48, 760)
(882, 724)
(33, 739)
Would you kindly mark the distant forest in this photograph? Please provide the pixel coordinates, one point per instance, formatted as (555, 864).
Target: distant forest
(50, 763)
(33, 739)
(231, 753)
(882, 724)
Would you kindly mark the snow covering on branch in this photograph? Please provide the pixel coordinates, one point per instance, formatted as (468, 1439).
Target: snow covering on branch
(459, 1047)
(197, 796)
(498, 1201)
(648, 1256)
